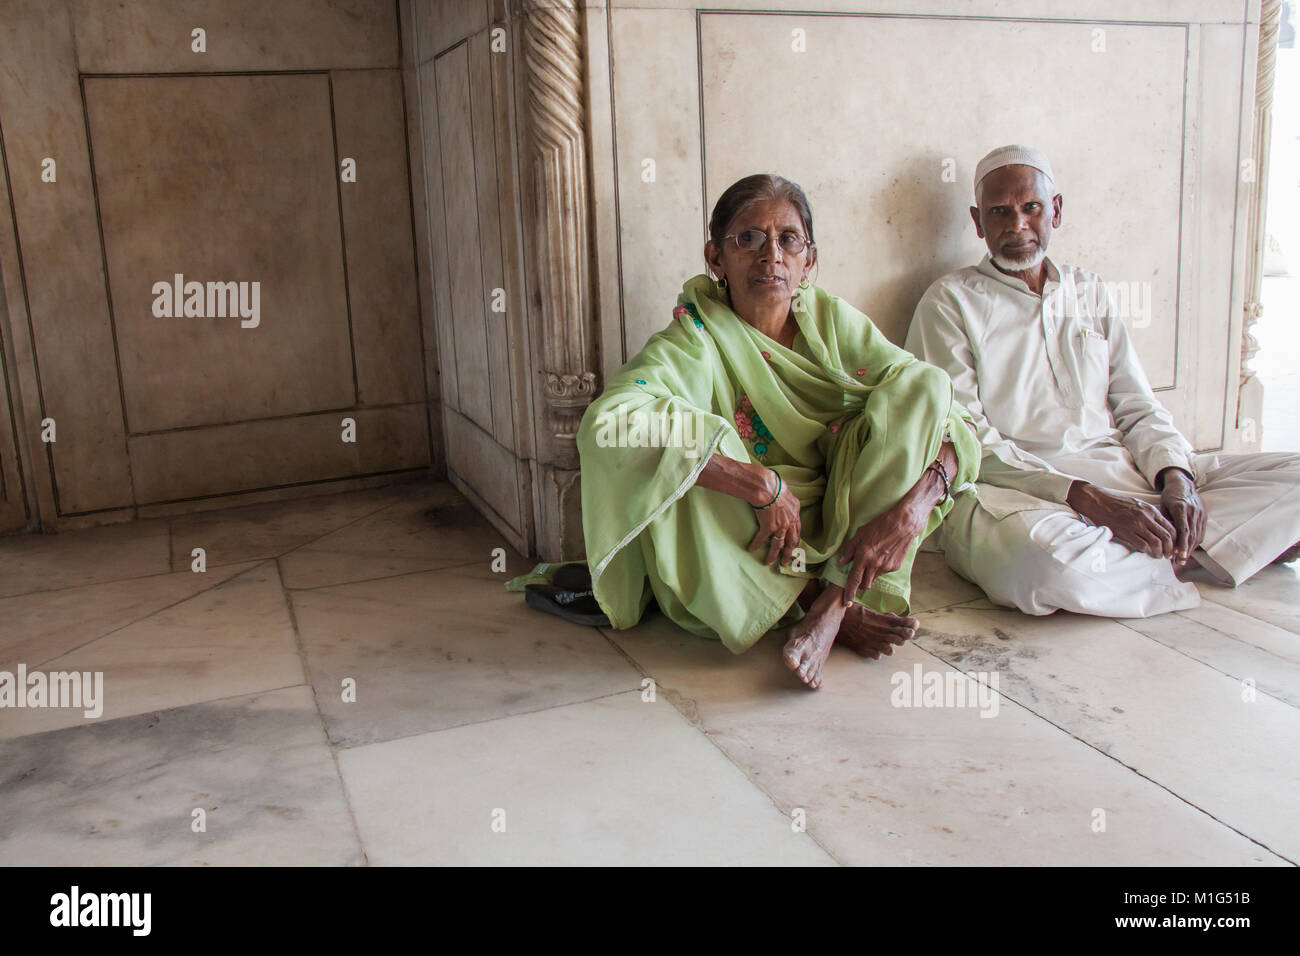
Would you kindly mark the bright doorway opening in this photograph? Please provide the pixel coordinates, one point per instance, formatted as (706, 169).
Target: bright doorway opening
(1277, 363)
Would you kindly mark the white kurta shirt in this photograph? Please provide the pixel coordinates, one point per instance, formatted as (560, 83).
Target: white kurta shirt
(1053, 382)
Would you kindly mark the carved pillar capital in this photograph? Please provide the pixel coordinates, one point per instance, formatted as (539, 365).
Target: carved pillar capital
(567, 397)
(557, 159)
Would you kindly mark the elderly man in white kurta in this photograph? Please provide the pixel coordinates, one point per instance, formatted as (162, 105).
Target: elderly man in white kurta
(1089, 499)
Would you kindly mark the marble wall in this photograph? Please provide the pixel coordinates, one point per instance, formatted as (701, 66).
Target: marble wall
(15, 510)
(881, 110)
(466, 56)
(137, 150)
(402, 300)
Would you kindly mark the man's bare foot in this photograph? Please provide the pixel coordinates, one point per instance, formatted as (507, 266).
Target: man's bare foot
(1289, 555)
(812, 637)
(872, 633)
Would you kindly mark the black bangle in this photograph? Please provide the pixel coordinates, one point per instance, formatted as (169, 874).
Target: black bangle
(943, 474)
(779, 485)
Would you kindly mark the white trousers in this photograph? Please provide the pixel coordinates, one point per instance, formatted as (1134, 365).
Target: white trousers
(1040, 557)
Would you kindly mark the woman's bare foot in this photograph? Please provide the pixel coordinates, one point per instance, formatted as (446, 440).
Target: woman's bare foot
(872, 633)
(809, 594)
(812, 637)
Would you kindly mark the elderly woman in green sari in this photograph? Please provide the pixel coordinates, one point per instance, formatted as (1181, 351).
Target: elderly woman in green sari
(769, 459)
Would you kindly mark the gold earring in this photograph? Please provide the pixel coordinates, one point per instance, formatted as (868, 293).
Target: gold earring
(803, 283)
(722, 283)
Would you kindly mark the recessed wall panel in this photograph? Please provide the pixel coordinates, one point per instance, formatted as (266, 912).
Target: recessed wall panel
(657, 138)
(376, 202)
(222, 179)
(886, 151)
(464, 238)
(248, 456)
(59, 266)
(150, 36)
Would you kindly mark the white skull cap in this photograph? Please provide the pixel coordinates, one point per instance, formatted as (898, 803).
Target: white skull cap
(1014, 156)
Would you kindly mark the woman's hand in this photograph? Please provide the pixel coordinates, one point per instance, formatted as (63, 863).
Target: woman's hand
(880, 545)
(778, 524)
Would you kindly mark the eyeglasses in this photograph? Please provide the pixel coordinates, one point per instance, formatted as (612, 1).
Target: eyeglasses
(752, 240)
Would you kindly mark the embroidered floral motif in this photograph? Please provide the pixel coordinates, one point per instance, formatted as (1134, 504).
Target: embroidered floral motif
(750, 426)
(743, 425)
(688, 309)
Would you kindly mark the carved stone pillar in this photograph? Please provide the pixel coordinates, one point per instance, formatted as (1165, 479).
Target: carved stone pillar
(560, 283)
(1250, 397)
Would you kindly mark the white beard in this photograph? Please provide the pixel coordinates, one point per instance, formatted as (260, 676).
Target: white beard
(1020, 265)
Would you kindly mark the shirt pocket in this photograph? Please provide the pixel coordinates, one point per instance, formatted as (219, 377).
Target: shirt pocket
(1093, 352)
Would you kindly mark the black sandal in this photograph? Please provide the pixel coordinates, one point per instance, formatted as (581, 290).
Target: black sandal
(577, 606)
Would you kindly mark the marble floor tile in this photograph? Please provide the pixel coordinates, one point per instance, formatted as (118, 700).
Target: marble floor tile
(236, 638)
(612, 781)
(434, 527)
(438, 649)
(123, 792)
(935, 585)
(1251, 630)
(1218, 646)
(1183, 724)
(1272, 595)
(270, 529)
(224, 691)
(890, 785)
(42, 625)
(44, 562)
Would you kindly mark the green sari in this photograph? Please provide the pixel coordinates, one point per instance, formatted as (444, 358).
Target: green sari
(849, 420)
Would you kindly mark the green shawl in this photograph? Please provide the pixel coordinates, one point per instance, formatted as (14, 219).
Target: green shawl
(854, 426)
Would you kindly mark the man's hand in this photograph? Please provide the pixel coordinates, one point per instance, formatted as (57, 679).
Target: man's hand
(1185, 510)
(1134, 523)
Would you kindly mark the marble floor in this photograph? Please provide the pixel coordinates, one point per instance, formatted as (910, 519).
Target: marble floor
(348, 682)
